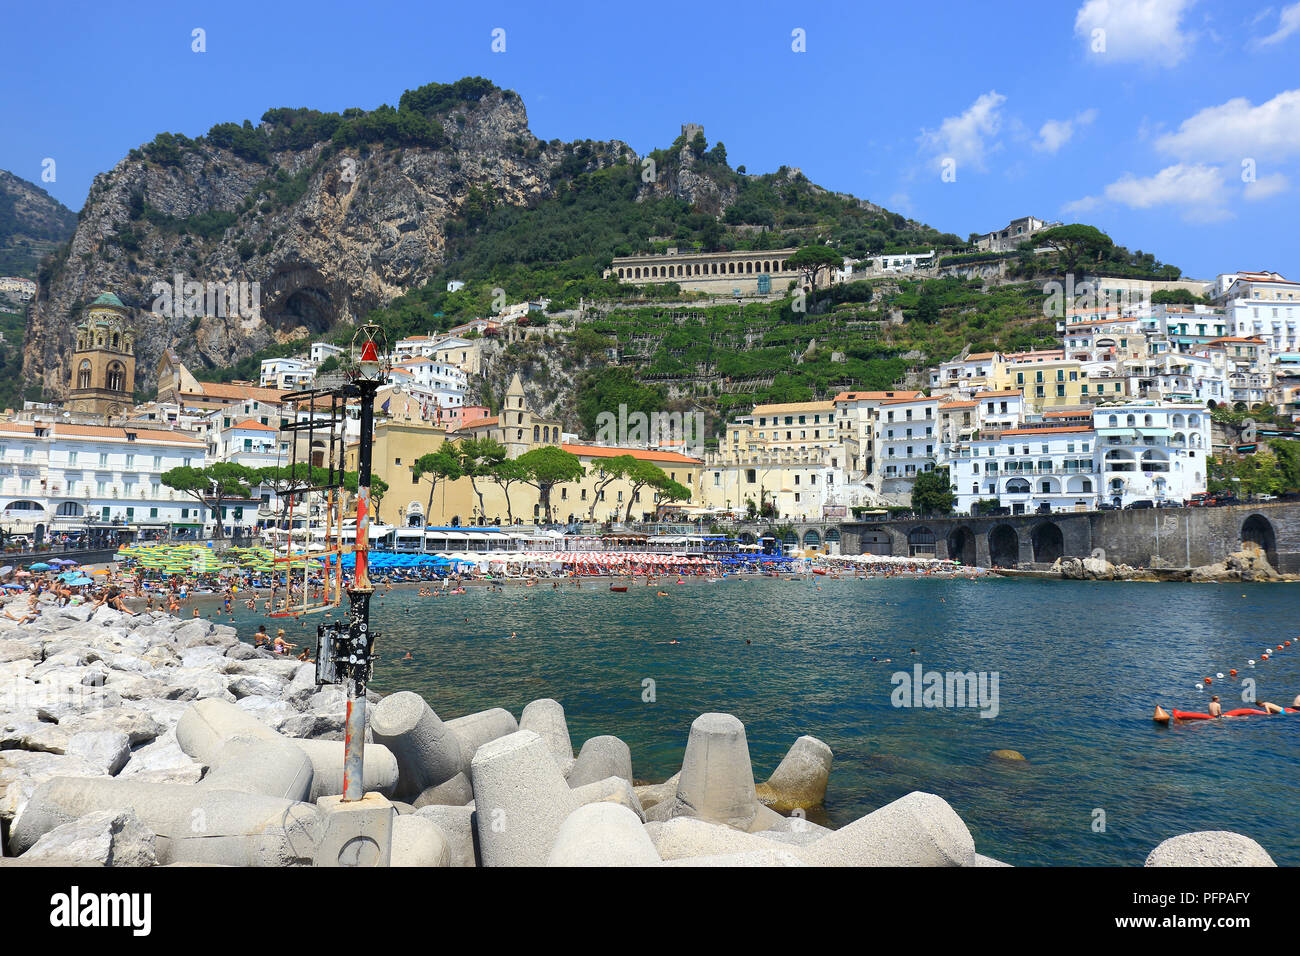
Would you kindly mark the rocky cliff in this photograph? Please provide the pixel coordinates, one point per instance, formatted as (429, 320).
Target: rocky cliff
(328, 231)
(32, 222)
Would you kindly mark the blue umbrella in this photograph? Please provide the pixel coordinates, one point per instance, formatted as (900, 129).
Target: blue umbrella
(38, 566)
(81, 581)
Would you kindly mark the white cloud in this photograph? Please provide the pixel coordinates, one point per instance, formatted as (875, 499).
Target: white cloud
(962, 138)
(1266, 187)
(1086, 204)
(1056, 133)
(1145, 31)
(1198, 190)
(1237, 130)
(1288, 23)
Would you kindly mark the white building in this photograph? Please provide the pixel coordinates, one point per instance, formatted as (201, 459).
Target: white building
(73, 479)
(900, 261)
(906, 438)
(1027, 469)
(1151, 451)
(1261, 305)
(287, 374)
(320, 351)
(443, 382)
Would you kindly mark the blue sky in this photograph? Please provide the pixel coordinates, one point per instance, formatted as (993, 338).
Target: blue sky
(1176, 128)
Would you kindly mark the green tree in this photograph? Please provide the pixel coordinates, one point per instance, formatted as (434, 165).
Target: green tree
(209, 485)
(441, 465)
(670, 490)
(811, 260)
(609, 471)
(932, 493)
(479, 456)
(642, 474)
(547, 467)
(505, 473)
(1075, 243)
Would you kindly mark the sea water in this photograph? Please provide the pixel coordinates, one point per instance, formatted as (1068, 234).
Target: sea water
(1079, 668)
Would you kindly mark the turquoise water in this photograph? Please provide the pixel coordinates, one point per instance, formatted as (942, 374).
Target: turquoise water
(1080, 665)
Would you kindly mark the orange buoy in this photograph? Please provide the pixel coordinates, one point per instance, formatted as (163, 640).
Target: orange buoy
(1208, 681)
(1232, 673)
(1160, 716)
(1279, 647)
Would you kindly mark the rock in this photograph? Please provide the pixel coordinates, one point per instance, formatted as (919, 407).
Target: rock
(651, 794)
(546, 719)
(986, 861)
(522, 800)
(133, 686)
(107, 750)
(107, 837)
(300, 687)
(249, 685)
(457, 825)
(427, 752)
(1209, 848)
(196, 683)
(599, 758)
(37, 736)
(602, 834)
(241, 651)
(162, 761)
(918, 829)
(1011, 755)
(419, 841)
(19, 651)
(799, 781)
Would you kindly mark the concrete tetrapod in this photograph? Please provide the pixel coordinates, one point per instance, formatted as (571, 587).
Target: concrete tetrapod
(274, 768)
(192, 824)
(918, 829)
(717, 779)
(545, 718)
(599, 758)
(418, 841)
(207, 725)
(427, 752)
(457, 825)
(602, 834)
(799, 781)
(521, 800)
(1209, 848)
(474, 730)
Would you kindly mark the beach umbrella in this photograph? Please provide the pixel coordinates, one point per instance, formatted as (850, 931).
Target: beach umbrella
(38, 566)
(7, 569)
(81, 581)
(13, 587)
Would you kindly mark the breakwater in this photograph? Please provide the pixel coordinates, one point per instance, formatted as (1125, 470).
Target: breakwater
(103, 709)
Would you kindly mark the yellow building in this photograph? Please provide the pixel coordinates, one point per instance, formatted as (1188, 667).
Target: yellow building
(1050, 380)
(103, 363)
(402, 437)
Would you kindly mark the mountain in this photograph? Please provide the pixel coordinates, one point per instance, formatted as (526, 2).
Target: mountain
(339, 214)
(32, 223)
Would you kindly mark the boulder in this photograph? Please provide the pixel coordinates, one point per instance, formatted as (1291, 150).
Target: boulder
(602, 834)
(107, 837)
(799, 781)
(1209, 848)
(106, 750)
(457, 791)
(765, 857)
(687, 836)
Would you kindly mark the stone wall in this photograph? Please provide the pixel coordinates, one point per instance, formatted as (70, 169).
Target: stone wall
(1169, 538)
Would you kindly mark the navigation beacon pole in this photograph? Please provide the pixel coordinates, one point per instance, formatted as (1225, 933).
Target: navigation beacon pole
(360, 639)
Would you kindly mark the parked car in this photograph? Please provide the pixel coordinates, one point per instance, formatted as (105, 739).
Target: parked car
(1140, 504)
(1106, 506)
